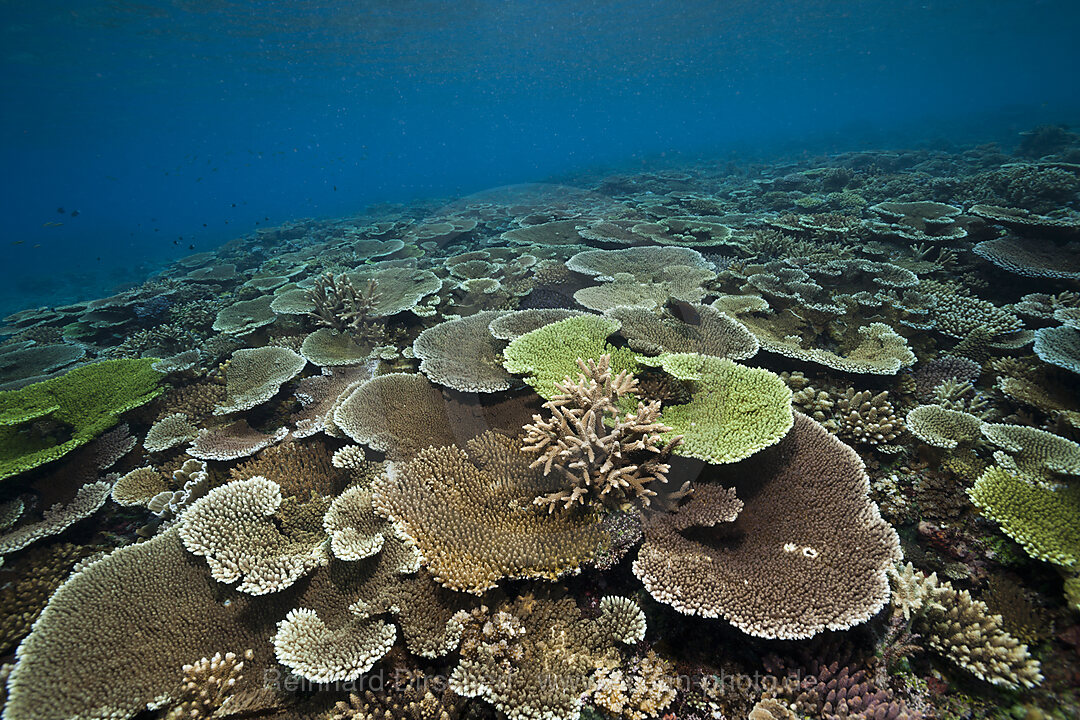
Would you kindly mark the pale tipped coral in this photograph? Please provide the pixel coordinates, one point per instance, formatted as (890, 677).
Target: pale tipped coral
(602, 456)
(253, 376)
(963, 629)
(311, 649)
(235, 529)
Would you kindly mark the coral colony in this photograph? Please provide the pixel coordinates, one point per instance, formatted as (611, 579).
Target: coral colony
(787, 442)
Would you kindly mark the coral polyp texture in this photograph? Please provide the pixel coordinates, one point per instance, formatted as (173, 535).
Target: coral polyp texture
(43, 422)
(597, 462)
(470, 514)
(793, 546)
(487, 456)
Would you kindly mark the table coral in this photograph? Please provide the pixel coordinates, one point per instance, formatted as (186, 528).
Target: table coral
(464, 510)
(85, 402)
(463, 354)
(550, 353)
(800, 549)
(734, 410)
(1043, 520)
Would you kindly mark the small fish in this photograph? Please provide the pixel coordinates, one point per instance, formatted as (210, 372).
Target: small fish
(60, 210)
(191, 246)
(17, 242)
(234, 204)
(74, 213)
(52, 224)
(335, 188)
(37, 245)
(175, 242)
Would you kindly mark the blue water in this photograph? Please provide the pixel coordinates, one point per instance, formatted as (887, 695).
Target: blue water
(168, 125)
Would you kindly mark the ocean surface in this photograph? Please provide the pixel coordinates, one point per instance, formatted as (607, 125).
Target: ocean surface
(432, 360)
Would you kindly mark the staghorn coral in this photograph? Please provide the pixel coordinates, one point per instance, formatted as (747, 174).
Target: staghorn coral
(339, 304)
(237, 528)
(963, 630)
(601, 456)
(734, 411)
(467, 513)
(804, 550)
(253, 376)
(463, 354)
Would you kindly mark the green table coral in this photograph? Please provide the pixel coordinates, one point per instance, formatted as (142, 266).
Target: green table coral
(549, 354)
(44, 421)
(1045, 521)
(734, 410)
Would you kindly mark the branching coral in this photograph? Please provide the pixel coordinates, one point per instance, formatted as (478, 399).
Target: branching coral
(962, 629)
(866, 418)
(604, 457)
(341, 305)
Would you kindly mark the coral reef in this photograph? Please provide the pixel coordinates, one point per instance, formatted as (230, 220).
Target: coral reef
(516, 439)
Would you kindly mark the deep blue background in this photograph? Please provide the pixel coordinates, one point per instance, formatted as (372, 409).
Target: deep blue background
(163, 119)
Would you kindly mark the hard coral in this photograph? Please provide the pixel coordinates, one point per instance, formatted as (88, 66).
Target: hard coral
(604, 457)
